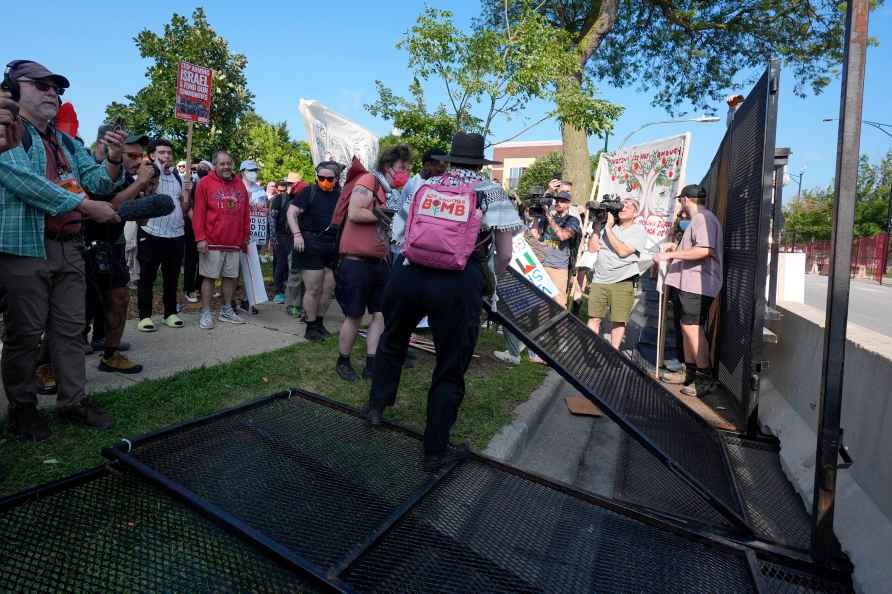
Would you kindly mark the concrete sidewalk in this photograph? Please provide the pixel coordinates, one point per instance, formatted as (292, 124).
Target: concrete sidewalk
(171, 350)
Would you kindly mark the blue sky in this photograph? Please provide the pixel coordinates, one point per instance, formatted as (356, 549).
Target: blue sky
(334, 55)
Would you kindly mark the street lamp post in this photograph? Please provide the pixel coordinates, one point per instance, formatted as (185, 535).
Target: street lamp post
(885, 257)
(700, 120)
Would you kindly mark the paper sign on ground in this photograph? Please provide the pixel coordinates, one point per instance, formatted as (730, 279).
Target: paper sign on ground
(524, 261)
(194, 85)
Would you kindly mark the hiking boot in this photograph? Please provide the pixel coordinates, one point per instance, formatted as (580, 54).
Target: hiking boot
(345, 370)
(433, 463)
(26, 422)
(229, 316)
(119, 363)
(206, 322)
(87, 412)
(314, 333)
(506, 357)
(46, 380)
(99, 345)
(374, 416)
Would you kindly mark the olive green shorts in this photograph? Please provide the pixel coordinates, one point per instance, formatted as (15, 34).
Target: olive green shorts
(619, 298)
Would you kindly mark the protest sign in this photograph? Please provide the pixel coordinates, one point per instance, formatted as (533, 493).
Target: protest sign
(259, 222)
(524, 261)
(332, 137)
(653, 173)
(194, 85)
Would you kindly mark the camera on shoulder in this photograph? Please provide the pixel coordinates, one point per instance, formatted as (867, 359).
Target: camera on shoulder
(597, 211)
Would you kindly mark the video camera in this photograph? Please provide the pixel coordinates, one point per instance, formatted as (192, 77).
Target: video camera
(538, 204)
(597, 211)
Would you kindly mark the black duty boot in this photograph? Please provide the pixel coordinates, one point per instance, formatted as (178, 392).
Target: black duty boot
(26, 422)
(344, 369)
(434, 462)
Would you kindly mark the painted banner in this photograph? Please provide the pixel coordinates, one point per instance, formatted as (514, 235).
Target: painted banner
(194, 84)
(333, 137)
(653, 173)
(524, 261)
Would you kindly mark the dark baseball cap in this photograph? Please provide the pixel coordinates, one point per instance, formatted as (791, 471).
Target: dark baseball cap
(693, 191)
(431, 155)
(28, 69)
(140, 139)
(564, 196)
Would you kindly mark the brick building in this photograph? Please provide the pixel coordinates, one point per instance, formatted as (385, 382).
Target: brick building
(517, 156)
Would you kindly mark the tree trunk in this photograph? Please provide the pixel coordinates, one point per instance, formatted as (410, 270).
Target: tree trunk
(577, 165)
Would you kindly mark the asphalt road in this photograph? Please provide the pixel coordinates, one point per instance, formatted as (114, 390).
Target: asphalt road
(870, 304)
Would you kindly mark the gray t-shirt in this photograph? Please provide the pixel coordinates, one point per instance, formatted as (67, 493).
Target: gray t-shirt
(610, 267)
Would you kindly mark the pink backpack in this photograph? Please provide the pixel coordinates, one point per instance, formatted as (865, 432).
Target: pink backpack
(444, 222)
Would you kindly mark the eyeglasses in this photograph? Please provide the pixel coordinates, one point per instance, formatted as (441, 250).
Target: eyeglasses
(326, 178)
(43, 87)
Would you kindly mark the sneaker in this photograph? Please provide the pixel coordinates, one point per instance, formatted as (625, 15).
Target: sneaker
(345, 371)
(506, 357)
(99, 345)
(673, 377)
(314, 334)
(228, 315)
(433, 463)
(88, 413)
(374, 416)
(146, 325)
(206, 322)
(26, 422)
(279, 298)
(46, 380)
(192, 297)
(118, 363)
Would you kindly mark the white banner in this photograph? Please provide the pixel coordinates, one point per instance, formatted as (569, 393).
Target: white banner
(524, 261)
(252, 276)
(653, 173)
(333, 137)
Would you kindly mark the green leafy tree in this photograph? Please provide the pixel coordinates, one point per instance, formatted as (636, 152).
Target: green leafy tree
(270, 146)
(539, 174)
(151, 109)
(494, 72)
(684, 52)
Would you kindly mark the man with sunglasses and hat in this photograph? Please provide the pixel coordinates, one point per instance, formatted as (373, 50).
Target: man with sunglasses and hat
(42, 207)
(694, 281)
(451, 299)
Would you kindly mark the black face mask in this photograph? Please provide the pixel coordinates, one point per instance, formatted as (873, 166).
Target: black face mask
(201, 173)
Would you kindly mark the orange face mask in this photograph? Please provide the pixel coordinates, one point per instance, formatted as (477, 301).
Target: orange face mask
(326, 186)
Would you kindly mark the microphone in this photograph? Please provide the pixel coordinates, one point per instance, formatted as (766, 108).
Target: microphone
(148, 207)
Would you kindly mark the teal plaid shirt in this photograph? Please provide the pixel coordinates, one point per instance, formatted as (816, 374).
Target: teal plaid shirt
(27, 196)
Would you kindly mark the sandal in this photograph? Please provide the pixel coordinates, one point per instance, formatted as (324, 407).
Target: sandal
(146, 325)
(173, 321)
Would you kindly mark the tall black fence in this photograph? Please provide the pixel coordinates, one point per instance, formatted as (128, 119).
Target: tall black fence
(739, 186)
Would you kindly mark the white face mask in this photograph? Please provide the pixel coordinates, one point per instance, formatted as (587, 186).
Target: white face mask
(251, 176)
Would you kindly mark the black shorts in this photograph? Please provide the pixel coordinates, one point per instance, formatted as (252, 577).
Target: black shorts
(360, 286)
(305, 261)
(116, 276)
(691, 309)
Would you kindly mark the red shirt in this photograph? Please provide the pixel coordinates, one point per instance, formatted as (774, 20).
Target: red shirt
(221, 214)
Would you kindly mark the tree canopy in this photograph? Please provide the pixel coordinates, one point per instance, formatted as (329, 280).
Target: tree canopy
(270, 146)
(151, 109)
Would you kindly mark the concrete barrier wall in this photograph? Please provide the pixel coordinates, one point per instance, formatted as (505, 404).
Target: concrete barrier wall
(788, 408)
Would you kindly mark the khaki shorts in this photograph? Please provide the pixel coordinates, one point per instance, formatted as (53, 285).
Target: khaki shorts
(215, 264)
(619, 298)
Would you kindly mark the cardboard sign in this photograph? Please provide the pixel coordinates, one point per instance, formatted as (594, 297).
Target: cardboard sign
(252, 276)
(653, 173)
(259, 223)
(524, 261)
(194, 85)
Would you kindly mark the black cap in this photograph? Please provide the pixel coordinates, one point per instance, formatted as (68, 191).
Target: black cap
(28, 69)
(140, 139)
(431, 155)
(563, 196)
(693, 191)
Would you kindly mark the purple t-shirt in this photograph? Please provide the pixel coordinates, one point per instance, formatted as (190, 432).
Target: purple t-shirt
(703, 277)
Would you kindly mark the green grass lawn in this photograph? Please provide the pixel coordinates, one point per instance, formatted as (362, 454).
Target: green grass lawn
(493, 391)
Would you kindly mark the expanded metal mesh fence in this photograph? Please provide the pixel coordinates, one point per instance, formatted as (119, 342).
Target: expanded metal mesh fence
(109, 532)
(686, 445)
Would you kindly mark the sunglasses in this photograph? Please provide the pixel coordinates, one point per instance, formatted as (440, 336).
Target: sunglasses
(326, 178)
(43, 87)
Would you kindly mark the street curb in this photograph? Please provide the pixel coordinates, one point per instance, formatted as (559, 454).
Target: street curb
(511, 438)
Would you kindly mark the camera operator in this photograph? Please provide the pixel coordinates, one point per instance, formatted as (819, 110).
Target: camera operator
(615, 277)
(556, 232)
(106, 264)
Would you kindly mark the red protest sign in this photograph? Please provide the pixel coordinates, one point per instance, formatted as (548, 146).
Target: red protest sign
(194, 92)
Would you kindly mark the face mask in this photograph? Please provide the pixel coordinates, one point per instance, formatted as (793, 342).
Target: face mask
(326, 186)
(400, 178)
(251, 176)
(683, 225)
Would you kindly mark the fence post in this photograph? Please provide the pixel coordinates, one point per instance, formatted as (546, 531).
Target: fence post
(882, 254)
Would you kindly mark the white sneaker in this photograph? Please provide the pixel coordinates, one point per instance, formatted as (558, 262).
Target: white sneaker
(192, 297)
(228, 315)
(207, 320)
(506, 357)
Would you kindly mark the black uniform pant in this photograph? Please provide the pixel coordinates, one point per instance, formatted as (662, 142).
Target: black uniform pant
(281, 252)
(452, 302)
(191, 280)
(154, 252)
